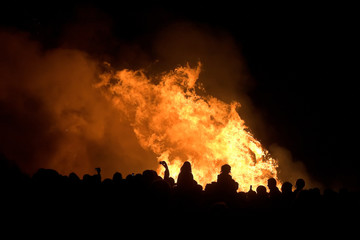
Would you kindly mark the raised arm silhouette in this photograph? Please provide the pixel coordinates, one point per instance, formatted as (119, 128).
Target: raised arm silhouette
(167, 177)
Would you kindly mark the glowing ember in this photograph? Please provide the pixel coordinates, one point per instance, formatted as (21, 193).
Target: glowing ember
(179, 125)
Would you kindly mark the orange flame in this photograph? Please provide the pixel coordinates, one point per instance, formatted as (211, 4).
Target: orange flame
(179, 125)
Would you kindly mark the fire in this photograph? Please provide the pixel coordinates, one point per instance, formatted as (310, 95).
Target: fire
(170, 118)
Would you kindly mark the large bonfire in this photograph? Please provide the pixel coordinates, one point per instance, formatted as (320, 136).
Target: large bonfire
(171, 119)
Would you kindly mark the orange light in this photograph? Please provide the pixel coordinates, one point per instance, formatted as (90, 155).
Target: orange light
(179, 125)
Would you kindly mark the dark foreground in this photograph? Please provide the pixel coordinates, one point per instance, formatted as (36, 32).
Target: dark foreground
(148, 199)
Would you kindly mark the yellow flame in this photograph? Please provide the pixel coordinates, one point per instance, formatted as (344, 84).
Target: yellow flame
(179, 125)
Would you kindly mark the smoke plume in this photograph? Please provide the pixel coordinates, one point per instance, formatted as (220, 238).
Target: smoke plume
(53, 117)
(289, 169)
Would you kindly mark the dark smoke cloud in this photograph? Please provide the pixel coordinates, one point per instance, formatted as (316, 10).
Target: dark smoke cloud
(224, 71)
(51, 116)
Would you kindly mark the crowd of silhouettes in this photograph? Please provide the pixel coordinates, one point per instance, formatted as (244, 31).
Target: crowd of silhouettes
(48, 192)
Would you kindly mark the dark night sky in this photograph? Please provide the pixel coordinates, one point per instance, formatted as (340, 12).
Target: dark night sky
(302, 60)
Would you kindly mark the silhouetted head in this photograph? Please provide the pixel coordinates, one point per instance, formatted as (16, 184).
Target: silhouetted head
(107, 182)
(286, 188)
(186, 167)
(271, 183)
(160, 189)
(300, 184)
(251, 194)
(86, 178)
(150, 176)
(225, 169)
(261, 190)
(117, 177)
(74, 178)
(171, 181)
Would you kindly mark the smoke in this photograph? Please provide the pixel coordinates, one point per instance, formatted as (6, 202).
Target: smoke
(53, 117)
(289, 169)
(223, 72)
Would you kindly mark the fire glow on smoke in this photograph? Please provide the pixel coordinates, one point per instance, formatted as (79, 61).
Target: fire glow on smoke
(177, 124)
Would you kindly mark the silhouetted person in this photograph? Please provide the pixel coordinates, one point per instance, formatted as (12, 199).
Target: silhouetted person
(251, 194)
(167, 177)
(185, 179)
(274, 191)
(300, 184)
(86, 179)
(92, 180)
(74, 179)
(262, 197)
(286, 189)
(160, 192)
(107, 182)
(167, 172)
(225, 183)
(117, 178)
(47, 177)
(287, 195)
(149, 176)
(261, 192)
(98, 176)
